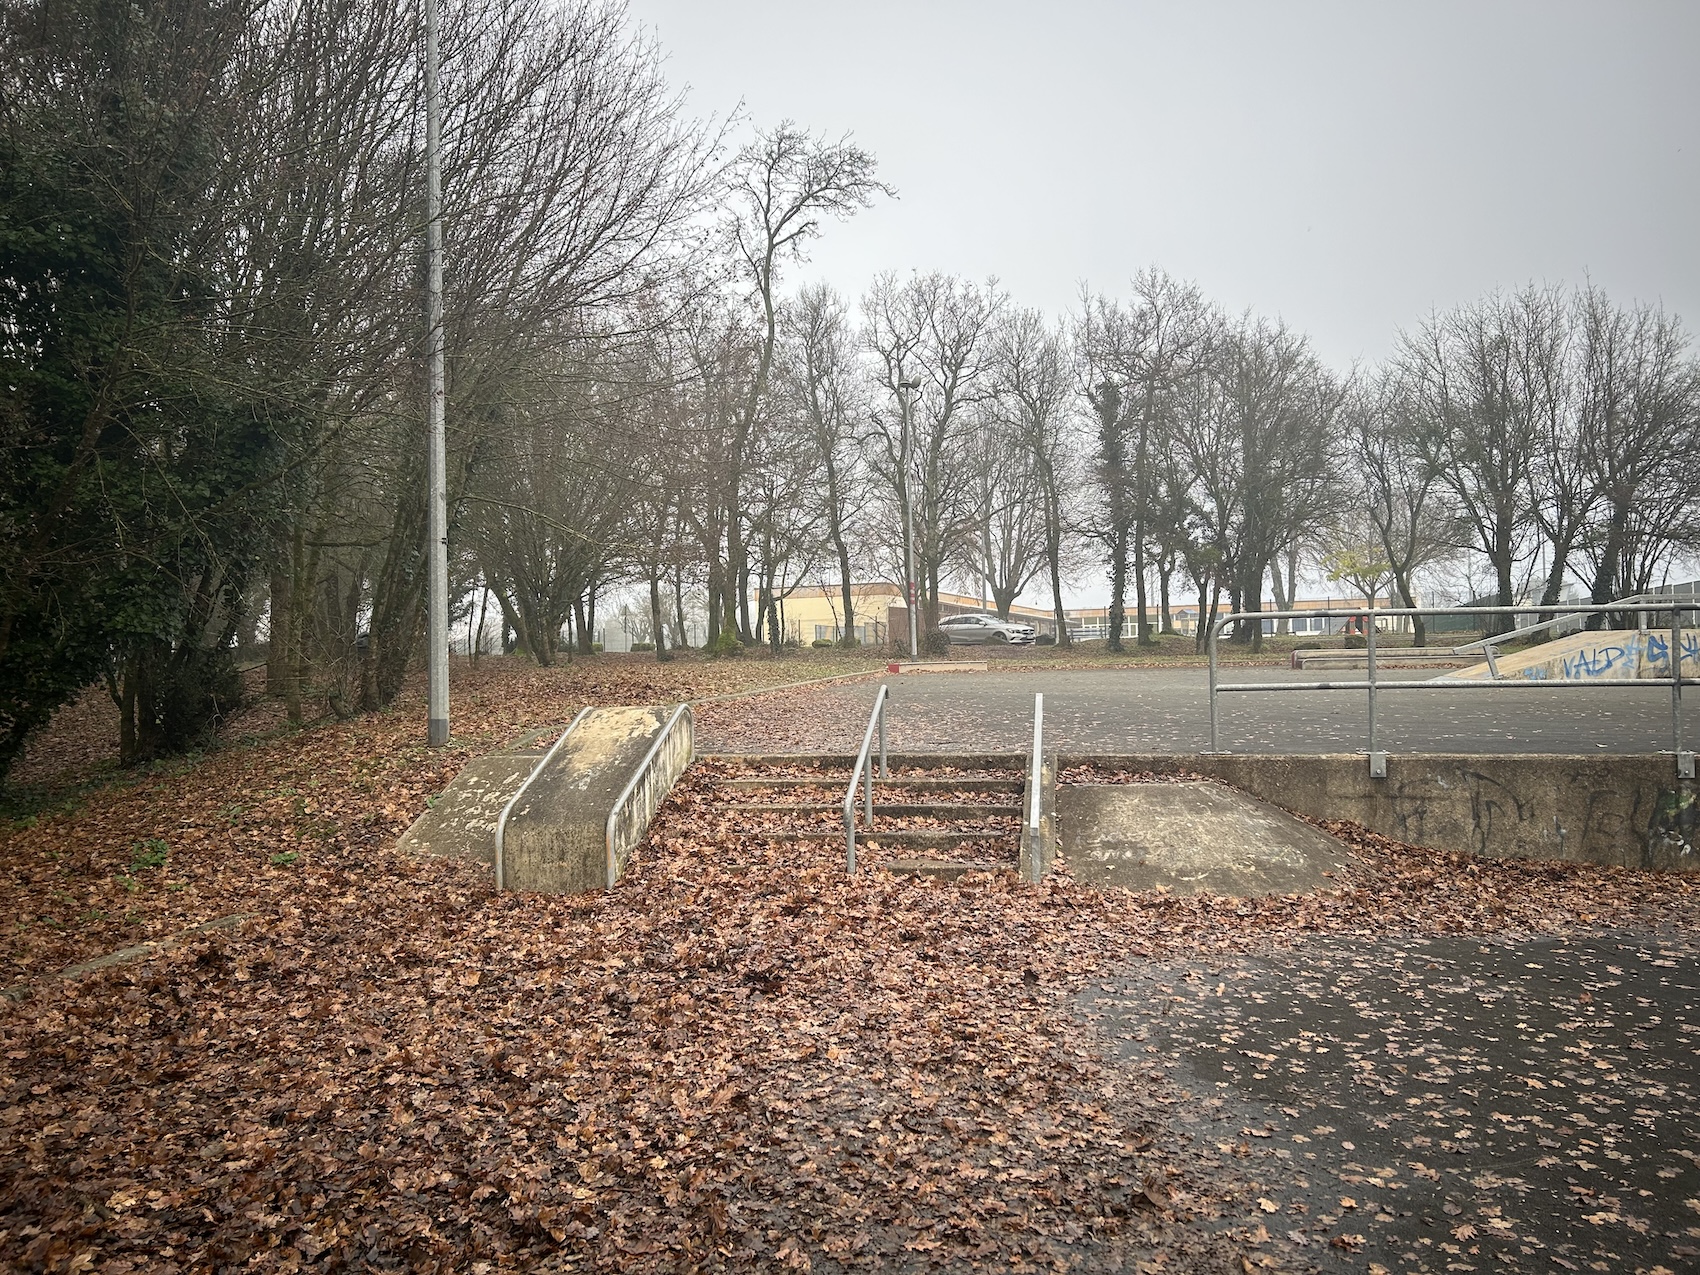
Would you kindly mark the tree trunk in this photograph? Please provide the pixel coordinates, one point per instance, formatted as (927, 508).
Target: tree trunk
(680, 636)
(1057, 613)
(657, 621)
(1118, 587)
(1142, 625)
(715, 601)
(1419, 628)
(277, 658)
(478, 638)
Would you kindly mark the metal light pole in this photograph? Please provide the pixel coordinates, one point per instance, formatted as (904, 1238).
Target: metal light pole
(436, 510)
(904, 390)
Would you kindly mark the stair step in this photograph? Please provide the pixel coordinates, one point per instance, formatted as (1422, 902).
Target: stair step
(913, 838)
(897, 810)
(944, 869)
(976, 783)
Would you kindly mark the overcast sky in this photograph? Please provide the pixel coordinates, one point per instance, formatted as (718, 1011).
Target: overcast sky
(1348, 166)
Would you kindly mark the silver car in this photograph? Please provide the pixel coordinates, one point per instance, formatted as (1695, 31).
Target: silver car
(969, 630)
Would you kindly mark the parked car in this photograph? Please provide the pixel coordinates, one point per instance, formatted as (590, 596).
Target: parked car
(968, 630)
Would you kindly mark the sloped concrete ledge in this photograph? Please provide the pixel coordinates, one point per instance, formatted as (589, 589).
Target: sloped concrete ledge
(1625, 811)
(570, 831)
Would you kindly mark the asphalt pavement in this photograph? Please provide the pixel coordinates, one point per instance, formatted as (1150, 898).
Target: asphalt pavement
(1167, 711)
(1434, 1103)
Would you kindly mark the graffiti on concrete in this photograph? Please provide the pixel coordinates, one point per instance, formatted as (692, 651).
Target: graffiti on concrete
(1658, 653)
(1615, 656)
(1675, 826)
(1596, 661)
(1628, 825)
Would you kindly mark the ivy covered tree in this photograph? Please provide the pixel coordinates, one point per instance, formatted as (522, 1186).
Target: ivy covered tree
(134, 457)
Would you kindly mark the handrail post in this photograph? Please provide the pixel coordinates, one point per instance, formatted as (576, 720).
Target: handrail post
(1210, 650)
(1034, 855)
(1369, 652)
(868, 781)
(1684, 758)
(885, 771)
(850, 827)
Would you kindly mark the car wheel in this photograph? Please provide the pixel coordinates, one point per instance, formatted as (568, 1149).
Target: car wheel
(1000, 637)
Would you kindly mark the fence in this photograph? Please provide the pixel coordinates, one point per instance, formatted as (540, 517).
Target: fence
(1675, 656)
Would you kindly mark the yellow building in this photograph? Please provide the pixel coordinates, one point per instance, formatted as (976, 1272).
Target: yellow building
(815, 612)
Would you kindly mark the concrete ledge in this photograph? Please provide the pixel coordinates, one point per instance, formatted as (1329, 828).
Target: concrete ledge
(1627, 811)
(936, 666)
(1393, 657)
(557, 837)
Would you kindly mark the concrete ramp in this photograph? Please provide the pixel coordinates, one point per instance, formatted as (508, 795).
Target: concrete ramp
(1190, 838)
(558, 837)
(1608, 654)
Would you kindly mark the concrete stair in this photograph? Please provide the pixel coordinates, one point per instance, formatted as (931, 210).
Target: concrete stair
(935, 816)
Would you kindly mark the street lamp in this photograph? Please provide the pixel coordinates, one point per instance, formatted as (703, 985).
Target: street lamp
(904, 390)
(436, 511)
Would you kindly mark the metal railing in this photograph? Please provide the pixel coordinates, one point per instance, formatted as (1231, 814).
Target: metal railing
(864, 763)
(1374, 685)
(1035, 791)
(502, 819)
(679, 713)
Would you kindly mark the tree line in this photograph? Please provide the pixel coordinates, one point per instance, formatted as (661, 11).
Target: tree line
(212, 340)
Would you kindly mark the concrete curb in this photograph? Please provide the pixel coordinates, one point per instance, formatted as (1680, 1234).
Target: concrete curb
(124, 955)
(787, 686)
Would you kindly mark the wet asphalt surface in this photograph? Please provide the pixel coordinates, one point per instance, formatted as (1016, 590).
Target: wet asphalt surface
(1436, 1104)
(1167, 711)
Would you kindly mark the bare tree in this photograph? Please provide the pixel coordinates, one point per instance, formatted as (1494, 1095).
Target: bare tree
(1144, 350)
(1259, 444)
(1479, 417)
(937, 329)
(823, 387)
(783, 184)
(1004, 551)
(1034, 388)
(1638, 392)
(1395, 488)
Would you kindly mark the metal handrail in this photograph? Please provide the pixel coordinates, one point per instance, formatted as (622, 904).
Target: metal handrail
(875, 718)
(1684, 759)
(1560, 613)
(502, 819)
(684, 710)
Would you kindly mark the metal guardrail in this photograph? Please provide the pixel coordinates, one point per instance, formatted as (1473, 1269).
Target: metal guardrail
(876, 718)
(1373, 685)
(679, 713)
(502, 819)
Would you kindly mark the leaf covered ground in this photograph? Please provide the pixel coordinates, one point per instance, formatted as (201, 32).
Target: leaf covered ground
(738, 1059)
